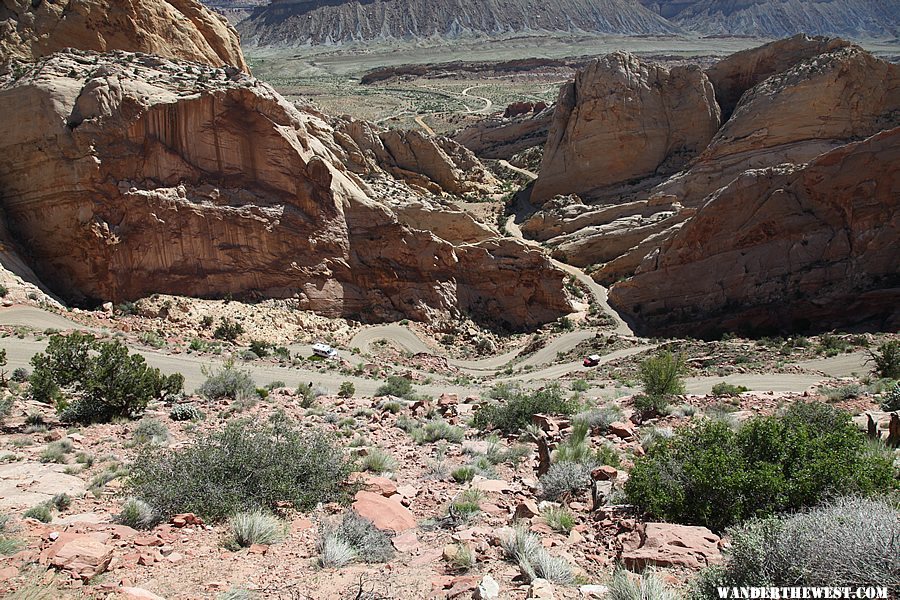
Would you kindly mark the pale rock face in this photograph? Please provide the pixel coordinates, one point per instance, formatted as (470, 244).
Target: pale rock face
(182, 29)
(623, 119)
(432, 164)
(734, 75)
(497, 137)
(782, 247)
(135, 175)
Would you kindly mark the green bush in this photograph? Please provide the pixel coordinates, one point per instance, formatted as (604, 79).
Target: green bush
(228, 382)
(397, 386)
(347, 390)
(662, 377)
(228, 330)
(260, 348)
(246, 466)
(101, 379)
(42, 512)
(515, 408)
(711, 475)
(727, 389)
(887, 360)
(151, 431)
(890, 400)
(185, 412)
(847, 542)
(436, 430)
(378, 461)
(20, 375)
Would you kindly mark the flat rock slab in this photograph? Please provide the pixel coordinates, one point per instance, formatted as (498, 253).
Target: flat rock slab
(670, 545)
(23, 485)
(387, 514)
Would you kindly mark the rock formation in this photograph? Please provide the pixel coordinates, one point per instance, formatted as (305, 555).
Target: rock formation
(787, 247)
(182, 29)
(433, 164)
(133, 174)
(623, 119)
(735, 74)
(298, 22)
(497, 137)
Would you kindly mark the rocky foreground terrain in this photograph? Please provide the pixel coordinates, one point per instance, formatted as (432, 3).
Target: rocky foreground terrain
(313, 361)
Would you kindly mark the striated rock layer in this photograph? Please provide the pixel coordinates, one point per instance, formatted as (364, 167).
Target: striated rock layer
(623, 119)
(184, 29)
(133, 174)
(782, 248)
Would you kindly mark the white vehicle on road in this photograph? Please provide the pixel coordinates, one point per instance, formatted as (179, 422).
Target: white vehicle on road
(324, 350)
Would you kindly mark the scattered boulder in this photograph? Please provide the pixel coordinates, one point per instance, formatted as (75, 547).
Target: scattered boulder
(83, 556)
(385, 513)
(487, 589)
(671, 545)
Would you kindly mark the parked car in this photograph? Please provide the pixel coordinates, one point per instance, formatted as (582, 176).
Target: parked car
(592, 361)
(324, 350)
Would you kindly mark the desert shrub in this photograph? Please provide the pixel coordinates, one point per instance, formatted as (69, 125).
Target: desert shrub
(890, 400)
(20, 375)
(832, 345)
(559, 518)
(56, 451)
(564, 480)
(185, 412)
(246, 466)
(462, 558)
(846, 542)
(42, 512)
(99, 386)
(662, 377)
(228, 330)
(151, 431)
(61, 501)
(358, 535)
(650, 435)
(227, 382)
(650, 586)
(711, 475)
(463, 474)
(580, 385)
(727, 389)
(515, 408)
(238, 593)
(260, 348)
(435, 430)
(3, 291)
(600, 418)
(467, 504)
(525, 549)
(378, 461)
(887, 360)
(255, 527)
(396, 386)
(137, 514)
(347, 389)
(154, 340)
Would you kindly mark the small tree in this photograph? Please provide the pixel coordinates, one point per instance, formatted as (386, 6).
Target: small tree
(887, 360)
(347, 390)
(662, 377)
(228, 330)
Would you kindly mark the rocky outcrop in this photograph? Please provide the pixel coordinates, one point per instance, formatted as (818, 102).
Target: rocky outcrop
(298, 22)
(794, 116)
(623, 119)
(184, 29)
(779, 18)
(496, 137)
(734, 75)
(132, 174)
(433, 164)
(670, 545)
(788, 247)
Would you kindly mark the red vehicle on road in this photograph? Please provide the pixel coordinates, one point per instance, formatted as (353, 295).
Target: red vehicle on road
(592, 361)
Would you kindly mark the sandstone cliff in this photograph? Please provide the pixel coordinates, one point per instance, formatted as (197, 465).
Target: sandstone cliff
(734, 75)
(133, 174)
(504, 137)
(432, 164)
(623, 119)
(183, 29)
(782, 248)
